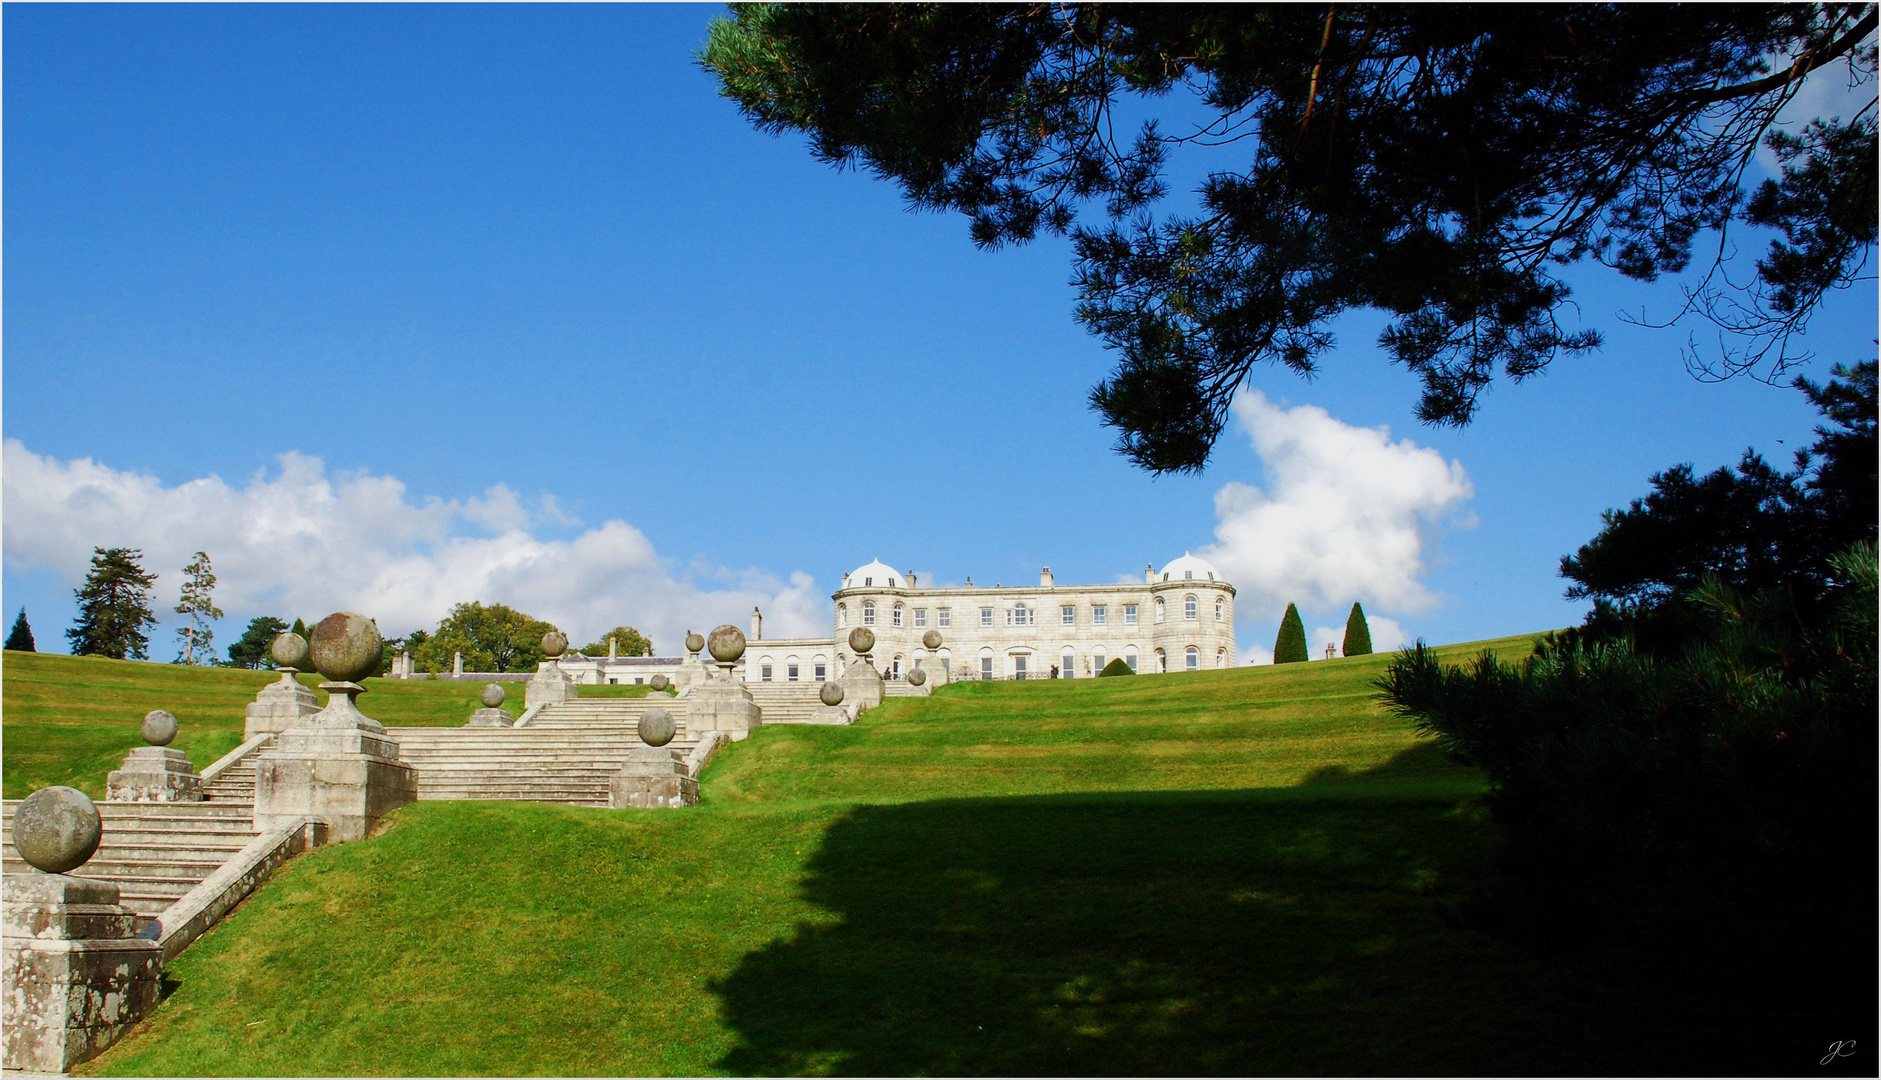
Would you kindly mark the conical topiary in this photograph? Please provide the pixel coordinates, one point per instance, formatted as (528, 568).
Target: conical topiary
(1290, 646)
(1358, 636)
(1116, 667)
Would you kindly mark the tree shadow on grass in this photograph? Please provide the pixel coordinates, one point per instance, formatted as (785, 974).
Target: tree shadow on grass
(1300, 931)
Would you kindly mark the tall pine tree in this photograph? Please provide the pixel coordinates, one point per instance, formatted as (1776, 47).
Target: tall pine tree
(1358, 636)
(113, 607)
(195, 639)
(21, 638)
(1290, 646)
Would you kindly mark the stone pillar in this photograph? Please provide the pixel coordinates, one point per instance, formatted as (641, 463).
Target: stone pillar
(285, 702)
(73, 976)
(862, 684)
(722, 703)
(692, 671)
(654, 777)
(492, 714)
(157, 772)
(457, 665)
(337, 766)
(549, 685)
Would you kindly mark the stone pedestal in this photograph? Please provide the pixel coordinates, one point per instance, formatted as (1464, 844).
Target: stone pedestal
(653, 777)
(338, 767)
(692, 673)
(154, 774)
(722, 704)
(830, 714)
(280, 705)
(548, 686)
(862, 685)
(490, 718)
(73, 976)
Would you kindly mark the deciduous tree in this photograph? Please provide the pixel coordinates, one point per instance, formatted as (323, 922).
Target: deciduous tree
(493, 637)
(627, 642)
(113, 607)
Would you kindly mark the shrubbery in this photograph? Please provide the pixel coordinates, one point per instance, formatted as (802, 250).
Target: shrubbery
(1116, 667)
(1290, 643)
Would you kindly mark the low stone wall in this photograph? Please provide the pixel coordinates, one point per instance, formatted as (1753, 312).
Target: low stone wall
(202, 907)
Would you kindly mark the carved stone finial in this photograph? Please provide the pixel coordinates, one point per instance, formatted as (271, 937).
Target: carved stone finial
(57, 829)
(657, 727)
(158, 728)
(346, 647)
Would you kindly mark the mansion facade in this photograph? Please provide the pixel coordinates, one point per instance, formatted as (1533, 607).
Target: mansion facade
(1180, 618)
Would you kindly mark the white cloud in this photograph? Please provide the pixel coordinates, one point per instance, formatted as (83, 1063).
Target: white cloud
(1347, 514)
(1255, 654)
(1387, 635)
(304, 544)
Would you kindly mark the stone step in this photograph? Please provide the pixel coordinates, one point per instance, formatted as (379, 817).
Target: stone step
(124, 811)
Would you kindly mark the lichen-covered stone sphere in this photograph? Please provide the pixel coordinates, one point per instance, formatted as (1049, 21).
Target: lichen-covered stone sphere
(831, 694)
(917, 677)
(694, 642)
(727, 643)
(159, 727)
(56, 829)
(931, 639)
(554, 644)
(862, 639)
(492, 695)
(659, 683)
(346, 647)
(289, 650)
(657, 727)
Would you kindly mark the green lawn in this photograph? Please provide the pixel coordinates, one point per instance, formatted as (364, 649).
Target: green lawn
(1244, 872)
(71, 719)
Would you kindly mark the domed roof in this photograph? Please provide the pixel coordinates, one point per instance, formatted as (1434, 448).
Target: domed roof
(877, 575)
(1190, 568)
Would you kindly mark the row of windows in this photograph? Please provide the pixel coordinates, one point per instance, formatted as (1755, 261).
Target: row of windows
(1067, 666)
(819, 669)
(1022, 615)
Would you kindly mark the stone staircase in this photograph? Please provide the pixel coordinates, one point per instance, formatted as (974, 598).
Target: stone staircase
(235, 784)
(155, 852)
(567, 754)
(786, 702)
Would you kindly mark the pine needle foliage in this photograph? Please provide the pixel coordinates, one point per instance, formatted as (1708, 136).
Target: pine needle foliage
(20, 638)
(114, 613)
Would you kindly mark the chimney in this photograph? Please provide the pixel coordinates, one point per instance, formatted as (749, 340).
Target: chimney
(757, 624)
(613, 650)
(911, 583)
(1149, 574)
(969, 583)
(1045, 578)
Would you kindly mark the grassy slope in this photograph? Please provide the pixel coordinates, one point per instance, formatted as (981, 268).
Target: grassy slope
(71, 719)
(1260, 881)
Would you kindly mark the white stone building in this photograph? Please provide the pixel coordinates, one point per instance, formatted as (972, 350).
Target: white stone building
(1179, 619)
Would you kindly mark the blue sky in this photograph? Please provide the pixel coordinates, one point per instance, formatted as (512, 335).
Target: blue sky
(536, 317)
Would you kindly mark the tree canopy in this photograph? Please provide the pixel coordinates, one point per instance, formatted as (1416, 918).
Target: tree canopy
(1438, 163)
(196, 638)
(114, 613)
(20, 638)
(493, 637)
(252, 649)
(627, 642)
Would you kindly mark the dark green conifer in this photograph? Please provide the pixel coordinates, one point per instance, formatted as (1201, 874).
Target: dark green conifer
(21, 639)
(1116, 667)
(1290, 646)
(1358, 636)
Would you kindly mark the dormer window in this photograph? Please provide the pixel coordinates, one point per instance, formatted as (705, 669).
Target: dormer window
(868, 582)
(891, 583)
(1187, 575)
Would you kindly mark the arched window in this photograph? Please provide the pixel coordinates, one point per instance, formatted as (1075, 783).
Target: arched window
(1068, 665)
(792, 669)
(986, 664)
(1098, 660)
(868, 613)
(819, 668)
(897, 615)
(940, 661)
(1192, 656)
(894, 669)
(1220, 605)
(1221, 658)
(1162, 662)
(1159, 609)
(764, 670)
(1188, 607)
(1129, 656)
(842, 616)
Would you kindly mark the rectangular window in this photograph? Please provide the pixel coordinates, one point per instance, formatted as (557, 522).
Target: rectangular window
(638, 682)
(1099, 613)
(897, 619)
(1067, 615)
(920, 616)
(764, 673)
(986, 667)
(1130, 660)
(1097, 661)
(790, 673)
(946, 616)
(986, 616)
(1018, 667)
(611, 682)
(1129, 618)
(821, 673)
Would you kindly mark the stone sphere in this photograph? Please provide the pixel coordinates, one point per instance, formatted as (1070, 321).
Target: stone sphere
(659, 682)
(657, 727)
(289, 650)
(862, 639)
(917, 677)
(727, 643)
(346, 647)
(56, 829)
(831, 694)
(931, 639)
(554, 644)
(159, 727)
(492, 695)
(694, 642)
